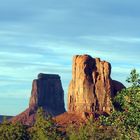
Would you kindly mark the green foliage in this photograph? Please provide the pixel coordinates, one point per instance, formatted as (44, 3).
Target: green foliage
(134, 78)
(127, 120)
(10, 131)
(44, 128)
(91, 131)
(4, 119)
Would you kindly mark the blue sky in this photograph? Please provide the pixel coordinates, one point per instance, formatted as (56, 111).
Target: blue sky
(42, 36)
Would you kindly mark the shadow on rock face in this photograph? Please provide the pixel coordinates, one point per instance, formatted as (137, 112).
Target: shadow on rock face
(47, 92)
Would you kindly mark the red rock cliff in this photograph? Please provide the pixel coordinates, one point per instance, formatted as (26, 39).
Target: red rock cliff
(47, 92)
(91, 87)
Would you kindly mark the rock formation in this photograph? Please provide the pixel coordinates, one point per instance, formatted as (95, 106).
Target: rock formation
(91, 87)
(47, 92)
(117, 86)
(90, 92)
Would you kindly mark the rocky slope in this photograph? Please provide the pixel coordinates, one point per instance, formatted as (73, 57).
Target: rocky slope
(91, 88)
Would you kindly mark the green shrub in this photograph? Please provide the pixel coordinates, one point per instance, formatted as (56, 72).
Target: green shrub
(91, 131)
(44, 128)
(9, 131)
(127, 119)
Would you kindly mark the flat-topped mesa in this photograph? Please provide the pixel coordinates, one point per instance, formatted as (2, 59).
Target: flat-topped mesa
(48, 76)
(47, 92)
(91, 87)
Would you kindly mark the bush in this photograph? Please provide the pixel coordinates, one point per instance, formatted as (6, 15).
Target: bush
(91, 131)
(10, 131)
(44, 128)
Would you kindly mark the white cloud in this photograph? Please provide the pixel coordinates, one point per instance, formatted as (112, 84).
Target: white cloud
(43, 37)
(111, 39)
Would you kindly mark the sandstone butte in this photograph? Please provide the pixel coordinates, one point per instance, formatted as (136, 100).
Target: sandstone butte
(90, 91)
(47, 92)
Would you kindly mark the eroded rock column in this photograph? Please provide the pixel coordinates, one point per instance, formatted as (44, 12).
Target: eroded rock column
(91, 87)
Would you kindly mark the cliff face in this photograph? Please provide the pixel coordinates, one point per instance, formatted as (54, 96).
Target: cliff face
(47, 92)
(90, 91)
(91, 87)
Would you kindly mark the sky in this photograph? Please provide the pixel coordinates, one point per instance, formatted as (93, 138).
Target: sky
(42, 37)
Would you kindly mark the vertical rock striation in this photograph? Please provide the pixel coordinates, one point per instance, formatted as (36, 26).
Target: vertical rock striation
(47, 92)
(91, 87)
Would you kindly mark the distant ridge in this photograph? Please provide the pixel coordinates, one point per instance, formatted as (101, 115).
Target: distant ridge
(2, 116)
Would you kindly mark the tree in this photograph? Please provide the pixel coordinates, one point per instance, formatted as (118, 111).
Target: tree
(9, 131)
(134, 78)
(91, 130)
(44, 127)
(127, 120)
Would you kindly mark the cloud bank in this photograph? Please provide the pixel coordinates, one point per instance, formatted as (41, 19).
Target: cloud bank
(43, 36)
